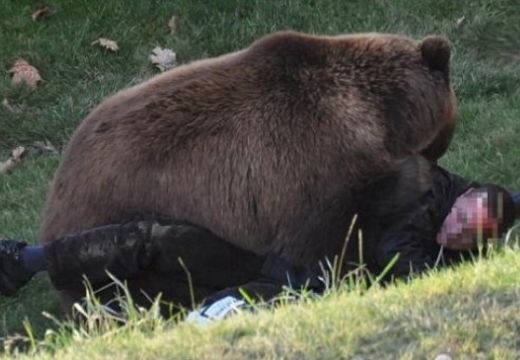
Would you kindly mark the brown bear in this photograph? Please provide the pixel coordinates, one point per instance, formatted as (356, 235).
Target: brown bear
(266, 147)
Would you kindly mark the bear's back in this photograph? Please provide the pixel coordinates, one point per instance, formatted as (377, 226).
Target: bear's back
(263, 147)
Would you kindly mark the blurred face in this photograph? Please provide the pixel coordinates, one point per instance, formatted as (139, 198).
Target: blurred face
(469, 218)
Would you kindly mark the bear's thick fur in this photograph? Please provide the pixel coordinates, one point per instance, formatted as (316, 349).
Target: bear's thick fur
(265, 147)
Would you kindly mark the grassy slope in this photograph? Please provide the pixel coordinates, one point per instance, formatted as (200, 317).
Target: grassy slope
(471, 313)
(77, 76)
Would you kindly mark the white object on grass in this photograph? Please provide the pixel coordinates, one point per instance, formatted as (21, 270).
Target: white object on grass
(217, 311)
(443, 357)
(164, 59)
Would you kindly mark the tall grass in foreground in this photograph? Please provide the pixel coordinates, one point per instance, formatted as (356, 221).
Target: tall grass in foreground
(97, 326)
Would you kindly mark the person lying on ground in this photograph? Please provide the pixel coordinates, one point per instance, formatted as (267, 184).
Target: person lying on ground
(443, 224)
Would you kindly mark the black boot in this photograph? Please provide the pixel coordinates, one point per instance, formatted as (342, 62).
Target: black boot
(13, 274)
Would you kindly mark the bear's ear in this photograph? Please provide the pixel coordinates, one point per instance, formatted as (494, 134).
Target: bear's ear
(435, 52)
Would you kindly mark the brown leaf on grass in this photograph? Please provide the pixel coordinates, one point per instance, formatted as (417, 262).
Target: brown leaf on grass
(163, 59)
(15, 158)
(23, 72)
(42, 12)
(106, 44)
(172, 24)
(45, 147)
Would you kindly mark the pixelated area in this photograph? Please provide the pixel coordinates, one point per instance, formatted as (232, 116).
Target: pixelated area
(471, 222)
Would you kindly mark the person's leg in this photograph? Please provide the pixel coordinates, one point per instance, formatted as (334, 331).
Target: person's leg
(185, 263)
(122, 249)
(168, 247)
(127, 251)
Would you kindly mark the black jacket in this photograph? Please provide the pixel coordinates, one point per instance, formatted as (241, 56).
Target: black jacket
(411, 233)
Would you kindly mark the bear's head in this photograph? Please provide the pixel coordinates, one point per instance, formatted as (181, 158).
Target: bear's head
(408, 83)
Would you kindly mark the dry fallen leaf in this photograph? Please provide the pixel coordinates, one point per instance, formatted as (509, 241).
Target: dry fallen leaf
(16, 155)
(164, 59)
(11, 108)
(23, 72)
(45, 147)
(460, 21)
(172, 24)
(106, 44)
(7, 106)
(42, 12)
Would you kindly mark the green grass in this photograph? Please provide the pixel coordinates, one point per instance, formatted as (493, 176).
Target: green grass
(77, 76)
(469, 313)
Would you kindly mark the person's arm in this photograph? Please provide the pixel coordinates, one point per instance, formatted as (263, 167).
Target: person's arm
(412, 255)
(411, 233)
(394, 212)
